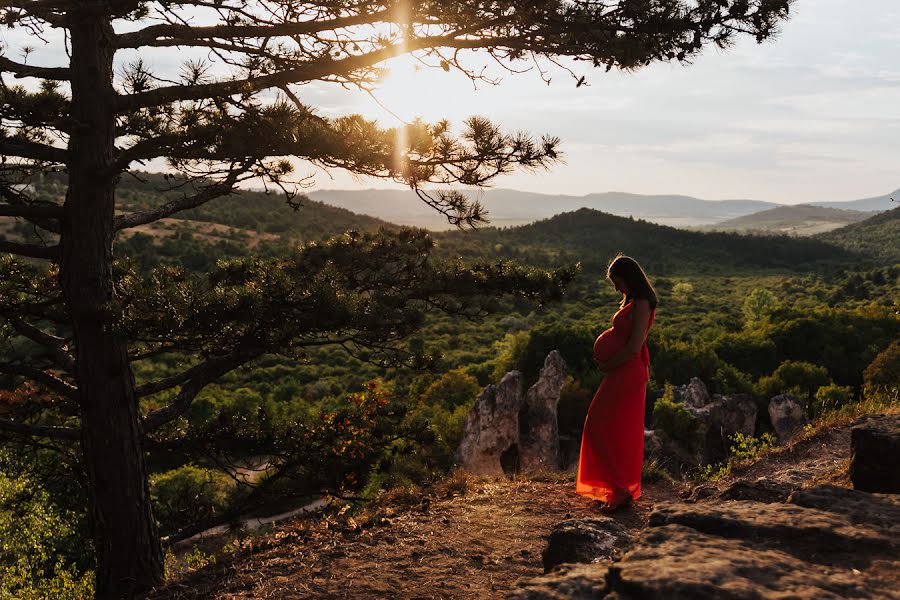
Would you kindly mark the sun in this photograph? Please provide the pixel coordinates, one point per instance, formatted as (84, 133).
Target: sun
(411, 89)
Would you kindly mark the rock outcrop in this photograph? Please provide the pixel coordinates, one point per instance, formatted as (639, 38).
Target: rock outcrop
(491, 433)
(787, 416)
(584, 540)
(508, 431)
(827, 542)
(875, 454)
(538, 424)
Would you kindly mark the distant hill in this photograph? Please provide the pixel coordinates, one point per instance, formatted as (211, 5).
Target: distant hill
(252, 211)
(878, 236)
(593, 237)
(875, 203)
(508, 208)
(799, 219)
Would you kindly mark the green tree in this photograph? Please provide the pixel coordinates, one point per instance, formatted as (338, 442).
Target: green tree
(758, 306)
(219, 126)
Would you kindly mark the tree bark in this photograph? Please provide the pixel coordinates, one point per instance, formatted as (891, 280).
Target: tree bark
(126, 540)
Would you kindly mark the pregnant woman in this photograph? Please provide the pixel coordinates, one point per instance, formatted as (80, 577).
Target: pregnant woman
(612, 444)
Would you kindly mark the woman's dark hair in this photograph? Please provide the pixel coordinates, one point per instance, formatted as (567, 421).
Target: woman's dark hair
(628, 269)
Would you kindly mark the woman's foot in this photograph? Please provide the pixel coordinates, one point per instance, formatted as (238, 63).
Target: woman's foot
(619, 499)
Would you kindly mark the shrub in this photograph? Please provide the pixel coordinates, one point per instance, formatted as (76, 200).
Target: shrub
(884, 371)
(188, 495)
(676, 421)
(799, 378)
(830, 397)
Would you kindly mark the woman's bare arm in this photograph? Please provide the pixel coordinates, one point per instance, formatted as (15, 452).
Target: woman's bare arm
(640, 321)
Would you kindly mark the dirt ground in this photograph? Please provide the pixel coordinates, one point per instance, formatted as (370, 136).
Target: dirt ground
(466, 539)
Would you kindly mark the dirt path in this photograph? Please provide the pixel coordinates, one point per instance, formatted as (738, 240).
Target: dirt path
(472, 546)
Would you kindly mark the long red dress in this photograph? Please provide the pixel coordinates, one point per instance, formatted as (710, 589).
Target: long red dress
(612, 444)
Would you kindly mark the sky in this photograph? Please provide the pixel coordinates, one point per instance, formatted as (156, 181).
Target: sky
(813, 115)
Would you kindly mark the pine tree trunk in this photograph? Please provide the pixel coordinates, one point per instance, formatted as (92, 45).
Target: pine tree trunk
(129, 555)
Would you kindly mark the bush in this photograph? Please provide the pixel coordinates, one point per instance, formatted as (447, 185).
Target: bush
(884, 371)
(188, 495)
(799, 378)
(35, 538)
(830, 397)
(676, 421)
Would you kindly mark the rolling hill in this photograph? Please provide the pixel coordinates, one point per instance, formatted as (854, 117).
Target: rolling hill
(593, 237)
(878, 236)
(508, 208)
(878, 203)
(799, 219)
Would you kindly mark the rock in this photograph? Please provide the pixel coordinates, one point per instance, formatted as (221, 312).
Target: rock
(723, 417)
(653, 445)
(508, 431)
(584, 541)
(760, 490)
(569, 582)
(538, 426)
(783, 525)
(875, 454)
(676, 562)
(491, 432)
(787, 416)
(694, 394)
(879, 510)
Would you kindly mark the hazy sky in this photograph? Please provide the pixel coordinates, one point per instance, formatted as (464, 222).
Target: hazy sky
(812, 116)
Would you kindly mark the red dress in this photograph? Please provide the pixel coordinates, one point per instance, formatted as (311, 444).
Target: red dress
(612, 444)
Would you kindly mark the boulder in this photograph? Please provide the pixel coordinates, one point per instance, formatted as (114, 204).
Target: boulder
(875, 454)
(787, 416)
(584, 541)
(721, 418)
(538, 426)
(694, 394)
(508, 431)
(491, 433)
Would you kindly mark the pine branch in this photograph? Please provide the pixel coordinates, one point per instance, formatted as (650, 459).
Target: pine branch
(310, 71)
(47, 431)
(33, 151)
(46, 379)
(208, 193)
(56, 345)
(30, 250)
(194, 379)
(20, 70)
(31, 211)
(171, 34)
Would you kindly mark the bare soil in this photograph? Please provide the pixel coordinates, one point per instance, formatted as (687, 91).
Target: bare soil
(465, 539)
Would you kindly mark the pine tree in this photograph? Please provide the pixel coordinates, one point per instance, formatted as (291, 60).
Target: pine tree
(217, 127)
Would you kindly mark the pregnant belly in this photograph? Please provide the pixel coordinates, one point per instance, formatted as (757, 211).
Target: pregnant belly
(606, 346)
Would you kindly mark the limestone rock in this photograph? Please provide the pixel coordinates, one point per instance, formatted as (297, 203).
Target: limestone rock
(508, 431)
(694, 394)
(538, 426)
(491, 432)
(776, 524)
(875, 454)
(569, 582)
(759, 490)
(584, 541)
(787, 416)
(676, 562)
(879, 510)
(723, 417)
